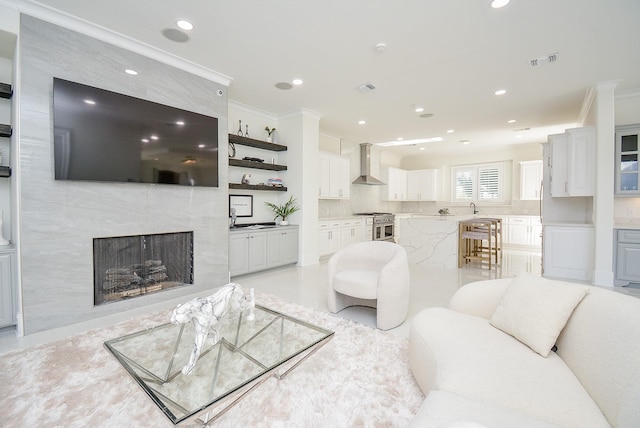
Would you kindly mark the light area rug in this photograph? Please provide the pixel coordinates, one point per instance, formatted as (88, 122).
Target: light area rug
(361, 378)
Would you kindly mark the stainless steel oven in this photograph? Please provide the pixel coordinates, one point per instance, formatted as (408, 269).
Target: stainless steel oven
(383, 226)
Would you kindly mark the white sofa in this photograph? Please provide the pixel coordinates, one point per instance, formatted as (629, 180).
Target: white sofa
(475, 375)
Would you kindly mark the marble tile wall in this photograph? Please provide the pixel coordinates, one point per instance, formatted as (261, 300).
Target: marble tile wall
(59, 219)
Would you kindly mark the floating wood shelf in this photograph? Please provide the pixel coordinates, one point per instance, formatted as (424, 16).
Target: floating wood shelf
(5, 130)
(257, 165)
(245, 141)
(256, 187)
(6, 91)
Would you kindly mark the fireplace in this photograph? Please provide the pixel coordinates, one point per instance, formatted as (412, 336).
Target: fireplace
(130, 266)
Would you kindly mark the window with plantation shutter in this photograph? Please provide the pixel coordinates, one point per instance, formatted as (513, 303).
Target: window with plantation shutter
(477, 183)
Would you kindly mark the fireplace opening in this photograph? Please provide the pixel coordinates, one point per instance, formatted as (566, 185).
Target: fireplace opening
(129, 266)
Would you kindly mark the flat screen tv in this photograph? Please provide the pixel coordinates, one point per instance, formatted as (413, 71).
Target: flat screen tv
(101, 135)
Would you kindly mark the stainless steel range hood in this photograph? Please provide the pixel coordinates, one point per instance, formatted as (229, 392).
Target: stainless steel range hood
(365, 167)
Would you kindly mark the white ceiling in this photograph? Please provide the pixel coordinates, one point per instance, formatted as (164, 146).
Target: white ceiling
(448, 56)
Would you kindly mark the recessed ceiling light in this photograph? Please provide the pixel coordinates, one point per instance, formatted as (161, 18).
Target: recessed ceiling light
(399, 138)
(297, 82)
(154, 137)
(497, 4)
(418, 109)
(361, 122)
(180, 123)
(201, 146)
(423, 148)
(131, 72)
(90, 102)
(449, 131)
(511, 121)
(500, 92)
(144, 140)
(408, 142)
(184, 24)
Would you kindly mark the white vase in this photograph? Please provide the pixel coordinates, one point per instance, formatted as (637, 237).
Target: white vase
(269, 139)
(284, 223)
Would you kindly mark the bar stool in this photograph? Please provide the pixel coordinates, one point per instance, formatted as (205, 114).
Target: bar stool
(480, 239)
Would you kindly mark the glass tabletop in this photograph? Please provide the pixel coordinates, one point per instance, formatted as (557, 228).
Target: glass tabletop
(246, 351)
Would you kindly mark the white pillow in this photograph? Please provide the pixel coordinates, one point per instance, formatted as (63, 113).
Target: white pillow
(534, 310)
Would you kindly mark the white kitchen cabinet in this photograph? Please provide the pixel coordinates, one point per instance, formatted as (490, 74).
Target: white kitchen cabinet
(7, 260)
(568, 252)
(282, 247)
(336, 234)
(530, 180)
(396, 187)
(335, 178)
(422, 185)
(572, 162)
(627, 258)
(627, 150)
(524, 231)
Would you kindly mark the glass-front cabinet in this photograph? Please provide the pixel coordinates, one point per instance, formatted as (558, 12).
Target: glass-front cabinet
(627, 177)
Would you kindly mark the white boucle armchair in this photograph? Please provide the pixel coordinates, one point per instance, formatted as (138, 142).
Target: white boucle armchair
(373, 274)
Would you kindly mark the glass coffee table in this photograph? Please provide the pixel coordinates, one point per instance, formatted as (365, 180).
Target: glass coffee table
(247, 354)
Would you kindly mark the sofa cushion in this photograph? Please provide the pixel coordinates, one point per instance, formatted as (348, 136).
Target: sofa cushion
(476, 360)
(534, 310)
(443, 409)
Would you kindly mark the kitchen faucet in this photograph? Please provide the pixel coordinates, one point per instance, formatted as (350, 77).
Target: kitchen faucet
(475, 210)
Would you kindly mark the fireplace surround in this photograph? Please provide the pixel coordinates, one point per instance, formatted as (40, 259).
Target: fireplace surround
(130, 266)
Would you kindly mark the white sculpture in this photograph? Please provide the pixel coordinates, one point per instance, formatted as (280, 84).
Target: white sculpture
(206, 312)
(3, 241)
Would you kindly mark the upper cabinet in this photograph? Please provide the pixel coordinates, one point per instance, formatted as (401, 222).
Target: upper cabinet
(572, 162)
(335, 177)
(422, 185)
(627, 178)
(396, 188)
(530, 180)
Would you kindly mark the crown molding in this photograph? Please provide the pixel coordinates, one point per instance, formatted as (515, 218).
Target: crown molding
(236, 105)
(54, 16)
(631, 93)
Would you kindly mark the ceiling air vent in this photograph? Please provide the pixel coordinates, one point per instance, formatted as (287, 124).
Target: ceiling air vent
(544, 60)
(367, 87)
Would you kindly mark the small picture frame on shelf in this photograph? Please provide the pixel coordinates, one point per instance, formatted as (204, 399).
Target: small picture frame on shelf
(243, 205)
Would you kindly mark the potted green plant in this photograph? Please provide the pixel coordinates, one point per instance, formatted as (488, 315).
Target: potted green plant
(284, 210)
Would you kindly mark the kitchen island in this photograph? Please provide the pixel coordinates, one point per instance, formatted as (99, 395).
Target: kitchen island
(430, 240)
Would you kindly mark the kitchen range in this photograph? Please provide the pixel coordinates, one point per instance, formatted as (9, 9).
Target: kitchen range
(383, 226)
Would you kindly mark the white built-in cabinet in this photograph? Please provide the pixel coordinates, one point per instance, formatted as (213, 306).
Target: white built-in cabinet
(627, 151)
(568, 251)
(572, 162)
(7, 260)
(335, 177)
(336, 234)
(627, 258)
(410, 185)
(256, 250)
(530, 180)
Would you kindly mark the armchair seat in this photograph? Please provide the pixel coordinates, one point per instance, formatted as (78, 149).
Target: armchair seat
(373, 274)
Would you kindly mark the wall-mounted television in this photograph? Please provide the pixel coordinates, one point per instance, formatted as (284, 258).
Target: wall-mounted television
(101, 135)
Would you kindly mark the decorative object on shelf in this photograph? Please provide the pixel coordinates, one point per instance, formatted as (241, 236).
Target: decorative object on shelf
(247, 158)
(285, 210)
(207, 312)
(271, 135)
(245, 178)
(243, 204)
(443, 211)
(239, 128)
(246, 134)
(3, 241)
(276, 182)
(232, 150)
